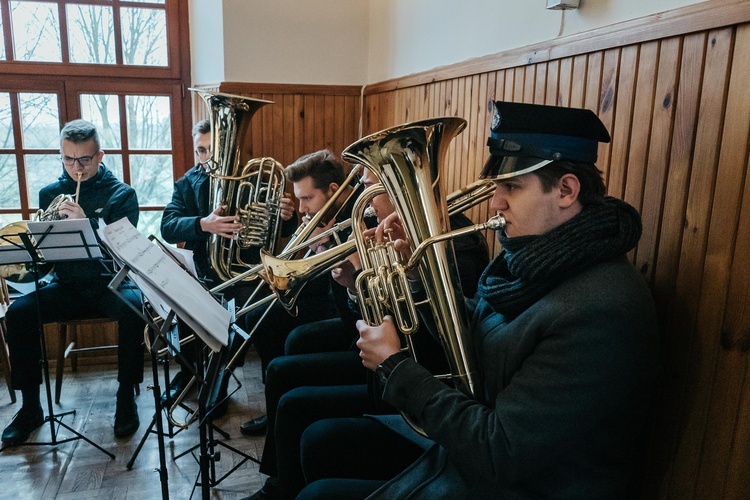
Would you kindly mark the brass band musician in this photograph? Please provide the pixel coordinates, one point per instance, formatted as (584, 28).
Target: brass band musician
(565, 334)
(79, 288)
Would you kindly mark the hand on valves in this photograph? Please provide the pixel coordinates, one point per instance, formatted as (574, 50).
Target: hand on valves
(226, 226)
(377, 343)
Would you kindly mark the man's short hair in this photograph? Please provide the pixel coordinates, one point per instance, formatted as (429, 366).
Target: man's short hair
(202, 127)
(322, 166)
(592, 185)
(78, 131)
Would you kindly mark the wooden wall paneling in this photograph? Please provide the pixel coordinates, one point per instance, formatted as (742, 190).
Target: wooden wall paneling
(687, 98)
(679, 320)
(621, 130)
(328, 123)
(728, 377)
(593, 81)
(280, 138)
(540, 83)
(565, 82)
(737, 322)
(519, 75)
(711, 307)
(658, 155)
(319, 123)
(297, 124)
(529, 83)
(578, 83)
(641, 129)
(553, 83)
(606, 108)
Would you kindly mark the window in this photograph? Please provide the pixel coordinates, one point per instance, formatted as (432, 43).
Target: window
(113, 62)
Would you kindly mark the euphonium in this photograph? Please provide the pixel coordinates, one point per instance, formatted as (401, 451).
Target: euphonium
(408, 160)
(287, 277)
(251, 190)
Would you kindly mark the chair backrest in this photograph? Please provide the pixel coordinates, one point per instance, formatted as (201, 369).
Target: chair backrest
(4, 297)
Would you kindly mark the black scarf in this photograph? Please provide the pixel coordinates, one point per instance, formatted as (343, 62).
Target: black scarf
(531, 266)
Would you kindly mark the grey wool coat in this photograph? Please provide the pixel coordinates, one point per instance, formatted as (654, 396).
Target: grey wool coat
(567, 385)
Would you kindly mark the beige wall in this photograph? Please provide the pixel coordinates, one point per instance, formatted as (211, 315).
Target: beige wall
(354, 42)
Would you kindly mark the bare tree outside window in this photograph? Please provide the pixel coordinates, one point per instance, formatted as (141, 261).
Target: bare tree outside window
(91, 34)
(144, 36)
(36, 30)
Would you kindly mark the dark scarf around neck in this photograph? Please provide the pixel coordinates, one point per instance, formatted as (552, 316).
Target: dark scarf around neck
(530, 266)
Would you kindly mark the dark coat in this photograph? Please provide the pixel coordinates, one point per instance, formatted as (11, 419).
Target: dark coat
(103, 196)
(181, 222)
(567, 385)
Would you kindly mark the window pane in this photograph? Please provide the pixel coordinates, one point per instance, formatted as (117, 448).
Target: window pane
(151, 177)
(103, 111)
(9, 195)
(40, 121)
(114, 163)
(146, 1)
(149, 222)
(36, 31)
(91, 34)
(6, 219)
(40, 171)
(144, 36)
(6, 125)
(148, 122)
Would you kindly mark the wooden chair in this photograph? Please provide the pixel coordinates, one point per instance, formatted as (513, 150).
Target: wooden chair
(4, 353)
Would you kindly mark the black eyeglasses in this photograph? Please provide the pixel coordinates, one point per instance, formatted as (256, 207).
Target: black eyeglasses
(85, 161)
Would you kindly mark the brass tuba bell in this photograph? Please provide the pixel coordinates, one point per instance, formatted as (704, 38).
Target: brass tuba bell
(252, 190)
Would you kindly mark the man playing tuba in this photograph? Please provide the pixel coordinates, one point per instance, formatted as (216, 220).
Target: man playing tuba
(564, 332)
(79, 288)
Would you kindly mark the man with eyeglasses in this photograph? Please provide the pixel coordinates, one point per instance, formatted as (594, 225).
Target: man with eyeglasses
(189, 219)
(78, 288)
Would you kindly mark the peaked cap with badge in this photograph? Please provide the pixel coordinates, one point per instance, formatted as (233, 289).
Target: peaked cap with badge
(526, 137)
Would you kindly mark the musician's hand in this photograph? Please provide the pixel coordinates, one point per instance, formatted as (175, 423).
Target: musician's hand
(286, 207)
(223, 225)
(377, 343)
(391, 227)
(323, 243)
(71, 210)
(344, 275)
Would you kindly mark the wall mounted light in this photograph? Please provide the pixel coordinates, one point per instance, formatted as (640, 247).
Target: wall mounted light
(562, 4)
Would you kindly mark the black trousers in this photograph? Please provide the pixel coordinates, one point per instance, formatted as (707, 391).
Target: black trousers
(59, 302)
(349, 458)
(290, 381)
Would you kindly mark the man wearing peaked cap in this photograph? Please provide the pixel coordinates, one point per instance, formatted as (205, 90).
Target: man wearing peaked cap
(565, 335)
(526, 137)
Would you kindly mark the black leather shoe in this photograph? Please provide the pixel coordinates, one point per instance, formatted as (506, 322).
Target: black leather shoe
(267, 492)
(23, 424)
(176, 386)
(126, 416)
(256, 427)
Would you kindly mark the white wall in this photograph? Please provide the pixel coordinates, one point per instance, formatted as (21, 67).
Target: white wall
(410, 36)
(206, 41)
(353, 42)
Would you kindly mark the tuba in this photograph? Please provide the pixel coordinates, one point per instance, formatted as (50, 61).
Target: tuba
(251, 190)
(408, 160)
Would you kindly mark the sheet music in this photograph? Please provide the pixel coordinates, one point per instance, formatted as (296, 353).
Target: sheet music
(168, 283)
(69, 239)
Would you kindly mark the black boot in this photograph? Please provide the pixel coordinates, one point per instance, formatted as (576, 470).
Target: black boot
(126, 413)
(28, 418)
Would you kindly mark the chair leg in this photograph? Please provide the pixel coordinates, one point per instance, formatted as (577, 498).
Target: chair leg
(74, 355)
(5, 361)
(61, 345)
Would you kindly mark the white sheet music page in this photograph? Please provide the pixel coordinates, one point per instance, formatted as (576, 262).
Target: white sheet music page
(193, 303)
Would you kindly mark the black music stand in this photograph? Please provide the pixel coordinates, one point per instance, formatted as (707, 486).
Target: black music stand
(164, 282)
(46, 242)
